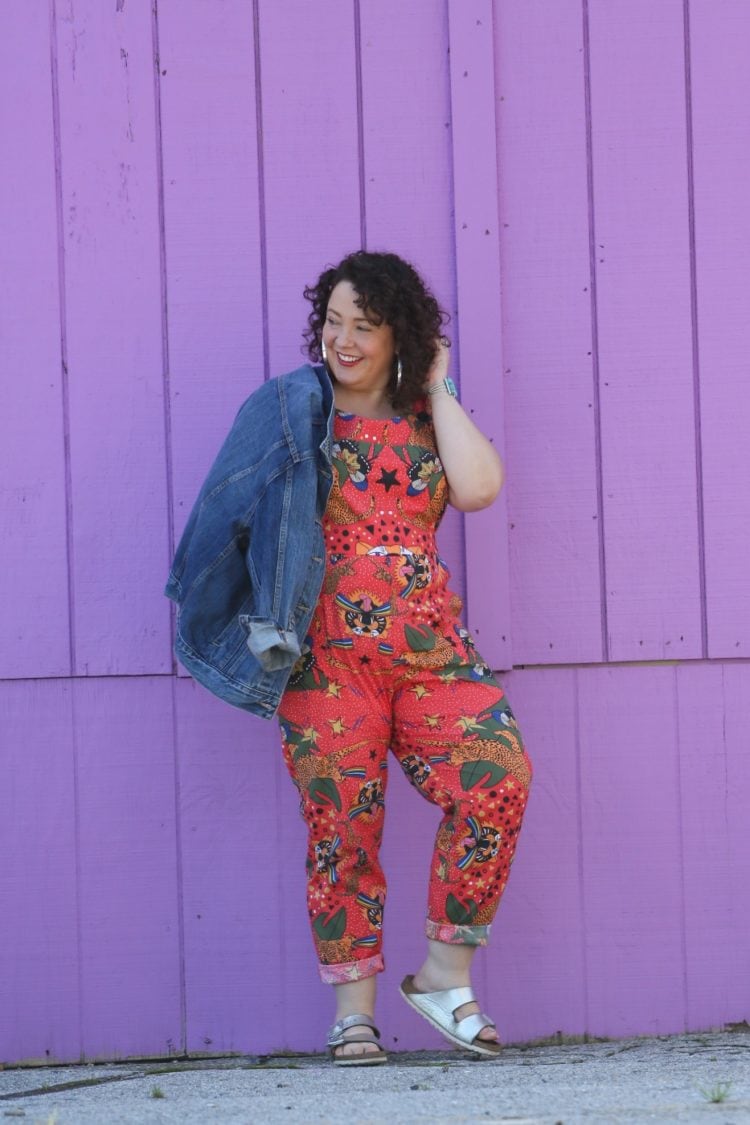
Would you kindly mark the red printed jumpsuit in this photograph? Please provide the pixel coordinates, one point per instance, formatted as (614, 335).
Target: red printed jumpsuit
(388, 665)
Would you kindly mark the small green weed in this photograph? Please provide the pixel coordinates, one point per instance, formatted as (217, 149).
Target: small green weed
(157, 1092)
(719, 1092)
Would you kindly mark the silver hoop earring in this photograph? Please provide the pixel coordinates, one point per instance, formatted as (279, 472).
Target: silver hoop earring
(399, 374)
(323, 351)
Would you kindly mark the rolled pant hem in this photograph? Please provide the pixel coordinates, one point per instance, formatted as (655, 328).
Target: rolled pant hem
(351, 970)
(457, 935)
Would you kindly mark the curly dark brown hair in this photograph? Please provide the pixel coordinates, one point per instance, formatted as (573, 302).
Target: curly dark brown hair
(390, 291)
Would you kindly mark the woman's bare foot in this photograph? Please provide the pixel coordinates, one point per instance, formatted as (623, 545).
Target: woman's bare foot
(356, 1048)
(356, 996)
(448, 966)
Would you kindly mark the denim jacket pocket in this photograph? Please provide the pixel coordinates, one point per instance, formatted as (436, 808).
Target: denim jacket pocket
(244, 610)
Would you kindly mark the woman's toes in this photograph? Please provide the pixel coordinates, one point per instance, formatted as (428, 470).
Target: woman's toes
(487, 1033)
(356, 1048)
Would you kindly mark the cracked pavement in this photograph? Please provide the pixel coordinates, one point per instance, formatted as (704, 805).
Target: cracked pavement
(661, 1079)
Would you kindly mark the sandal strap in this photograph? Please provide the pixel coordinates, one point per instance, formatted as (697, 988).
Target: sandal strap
(469, 1027)
(453, 998)
(344, 1040)
(336, 1034)
(450, 999)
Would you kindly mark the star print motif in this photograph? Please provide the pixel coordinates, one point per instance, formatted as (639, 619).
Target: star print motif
(334, 689)
(420, 691)
(432, 720)
(388, 479)
(337, 725)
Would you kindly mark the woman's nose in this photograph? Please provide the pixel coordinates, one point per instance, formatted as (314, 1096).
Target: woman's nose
(343, 336)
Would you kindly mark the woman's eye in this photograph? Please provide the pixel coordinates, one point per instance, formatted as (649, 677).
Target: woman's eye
(365, 328)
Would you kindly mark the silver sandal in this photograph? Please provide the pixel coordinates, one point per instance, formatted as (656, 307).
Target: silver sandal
(438, 1008)
(336, 1039)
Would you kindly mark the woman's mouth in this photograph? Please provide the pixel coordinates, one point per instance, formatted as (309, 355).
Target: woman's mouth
(347, 360)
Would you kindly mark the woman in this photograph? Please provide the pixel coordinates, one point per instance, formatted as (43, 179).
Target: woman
(387, 662)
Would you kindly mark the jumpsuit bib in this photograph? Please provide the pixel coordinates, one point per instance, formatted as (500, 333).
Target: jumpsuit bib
(388, 665)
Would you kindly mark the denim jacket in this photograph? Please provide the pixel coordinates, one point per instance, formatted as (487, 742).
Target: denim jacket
(249, 567)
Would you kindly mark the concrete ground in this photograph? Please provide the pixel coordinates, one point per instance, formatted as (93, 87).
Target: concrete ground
(695, 1078)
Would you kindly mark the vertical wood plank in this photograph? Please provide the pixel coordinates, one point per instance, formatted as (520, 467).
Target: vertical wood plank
(642, 277)
(406, 115)
(535, 964)
(34, 590)
(531, 976)
(408, 180)
(129, 908)
(550, 395)
(114, 335)
(631, 843)
(307, 1005)
(720, 102)
(477, 243)
(312, 219)
(714, 715)
(736, 801)
(214, 280)
(39, 954)
(310, 157)
(232, 868)
(410, 827)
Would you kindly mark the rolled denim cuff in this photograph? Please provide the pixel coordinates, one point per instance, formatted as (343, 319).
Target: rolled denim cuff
(275, 648)
(352, 970)
(457, 935)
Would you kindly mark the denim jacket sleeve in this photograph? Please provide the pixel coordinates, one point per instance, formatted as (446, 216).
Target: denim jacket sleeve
(248, 567)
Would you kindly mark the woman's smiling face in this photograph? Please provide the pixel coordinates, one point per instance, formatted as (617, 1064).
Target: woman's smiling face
(360, 353)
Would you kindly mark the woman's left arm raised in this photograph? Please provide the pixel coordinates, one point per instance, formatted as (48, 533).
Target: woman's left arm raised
(473, 468)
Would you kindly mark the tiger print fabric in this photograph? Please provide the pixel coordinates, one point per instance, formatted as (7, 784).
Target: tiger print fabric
(388, 665)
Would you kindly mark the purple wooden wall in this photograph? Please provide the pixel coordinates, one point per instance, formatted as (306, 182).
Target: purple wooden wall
(572, 179)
